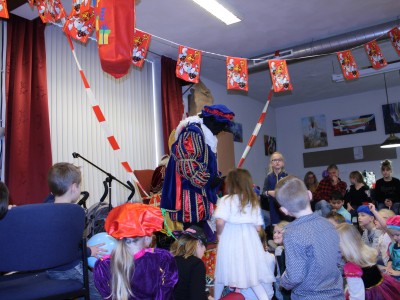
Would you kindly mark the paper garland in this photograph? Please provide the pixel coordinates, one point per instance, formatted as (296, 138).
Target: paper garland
(188, 64)
(236, 73)
(279, 75)
(348, 65)
(141, 42)
(3, 9)
(375, 55)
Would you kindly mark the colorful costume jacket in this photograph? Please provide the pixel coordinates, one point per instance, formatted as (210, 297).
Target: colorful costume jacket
(187, 192)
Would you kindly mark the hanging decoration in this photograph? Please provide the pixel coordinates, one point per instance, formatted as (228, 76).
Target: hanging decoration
(115, 21)
(188, 64)
(280, 75)
(348, 65)
(80, 6)
(375, 55)
(141, 42)
(3, 9)
(394, 35)
(80, 25)
(236, 73)
(50, 10)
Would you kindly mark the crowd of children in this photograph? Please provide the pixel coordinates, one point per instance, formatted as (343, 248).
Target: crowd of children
(351, 252)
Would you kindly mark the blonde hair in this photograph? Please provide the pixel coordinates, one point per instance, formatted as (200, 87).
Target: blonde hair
(387, 213)
(292, 194)
(353, 248)
(270, 169)
(122, 268)
(281, 224)
(239, 182)
(184, 246)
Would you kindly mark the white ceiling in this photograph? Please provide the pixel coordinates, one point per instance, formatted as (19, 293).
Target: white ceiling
(267, 25)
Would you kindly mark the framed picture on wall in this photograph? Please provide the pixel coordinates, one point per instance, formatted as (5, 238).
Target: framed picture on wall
(237, 132)
(391, 117)
(353, 125)
(314, 131)
(269, 144)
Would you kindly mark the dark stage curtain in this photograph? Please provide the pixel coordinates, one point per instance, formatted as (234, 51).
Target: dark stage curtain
(172, 102)
(28, 148)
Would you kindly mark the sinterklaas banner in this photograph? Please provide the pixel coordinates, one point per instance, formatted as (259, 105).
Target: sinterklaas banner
(236, 73)
(375, 55)
(188, 64)
(348, 65)
(280, 75)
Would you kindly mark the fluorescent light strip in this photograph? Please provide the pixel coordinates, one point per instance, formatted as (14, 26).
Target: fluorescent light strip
(369, 72)
(216, 9)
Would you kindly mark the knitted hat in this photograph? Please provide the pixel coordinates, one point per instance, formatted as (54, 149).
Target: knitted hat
(131, 220)
(220, 112)
(364, 209)
(393, 223)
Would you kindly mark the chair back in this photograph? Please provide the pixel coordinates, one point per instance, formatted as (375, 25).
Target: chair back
(40, 236)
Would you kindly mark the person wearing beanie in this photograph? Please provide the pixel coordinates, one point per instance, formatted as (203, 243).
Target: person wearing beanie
(192, 178)
(134, 271)
(393, 226)
(370, 234)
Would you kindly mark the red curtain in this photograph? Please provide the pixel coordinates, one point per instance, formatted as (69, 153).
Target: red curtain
(28, 148)
(172, 102)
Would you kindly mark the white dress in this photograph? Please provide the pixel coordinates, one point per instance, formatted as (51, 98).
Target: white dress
(240, 255)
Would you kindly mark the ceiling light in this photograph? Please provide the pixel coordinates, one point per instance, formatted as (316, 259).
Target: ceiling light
(369, 72)
(392, 141)
(213, 7)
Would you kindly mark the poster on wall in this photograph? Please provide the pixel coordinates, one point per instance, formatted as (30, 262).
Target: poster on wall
(269, 144)
(353, 125)
(391, 117)
(314, 131)
(237, 132)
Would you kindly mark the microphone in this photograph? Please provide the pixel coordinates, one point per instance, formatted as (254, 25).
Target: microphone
(75, 155)
(84, 198)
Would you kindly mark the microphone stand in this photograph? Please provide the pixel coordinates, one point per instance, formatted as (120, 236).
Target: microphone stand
(109, 179)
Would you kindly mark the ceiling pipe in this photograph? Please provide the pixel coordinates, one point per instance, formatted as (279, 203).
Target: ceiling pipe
(333, 44)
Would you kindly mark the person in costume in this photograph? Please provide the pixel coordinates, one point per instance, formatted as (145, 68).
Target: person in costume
(192, 178)
(134, 271)
(364, 279)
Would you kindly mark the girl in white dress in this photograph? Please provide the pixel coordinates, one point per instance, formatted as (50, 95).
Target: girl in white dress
(240, 254)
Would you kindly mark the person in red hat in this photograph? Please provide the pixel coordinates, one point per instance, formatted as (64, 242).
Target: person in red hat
(134, 271)
(192, 178)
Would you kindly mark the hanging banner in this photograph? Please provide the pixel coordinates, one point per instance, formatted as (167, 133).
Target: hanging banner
(3, 9)
(80, 6)
(279, 75)
(188, 64)
(394, 35)
(141, 41)
(375, 55)
(348, 65)
(236, 73)
(80, 26)
(115, 21)
(50, 10)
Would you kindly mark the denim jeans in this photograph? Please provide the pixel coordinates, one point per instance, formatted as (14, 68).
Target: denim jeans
(76, 273)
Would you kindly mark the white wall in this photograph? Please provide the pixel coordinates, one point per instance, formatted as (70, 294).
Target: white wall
(247, 111)
(290, 137)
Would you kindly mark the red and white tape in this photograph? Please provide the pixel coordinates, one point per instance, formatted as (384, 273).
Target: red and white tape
(103, 122)
(253, 137)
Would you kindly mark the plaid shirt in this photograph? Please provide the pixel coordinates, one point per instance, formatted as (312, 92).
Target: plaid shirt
(325, 189)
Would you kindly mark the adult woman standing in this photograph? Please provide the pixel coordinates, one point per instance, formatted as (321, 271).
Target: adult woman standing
(276, 171)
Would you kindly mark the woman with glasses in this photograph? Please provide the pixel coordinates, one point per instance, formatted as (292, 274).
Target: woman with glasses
(276, 171)
(311, 181)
